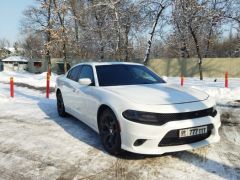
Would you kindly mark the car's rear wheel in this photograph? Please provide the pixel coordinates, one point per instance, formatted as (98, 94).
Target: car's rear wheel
(60, 105)
(109, 131)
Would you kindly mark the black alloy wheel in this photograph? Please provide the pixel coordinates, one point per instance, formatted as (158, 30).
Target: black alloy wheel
(110, 132)
(60, 105)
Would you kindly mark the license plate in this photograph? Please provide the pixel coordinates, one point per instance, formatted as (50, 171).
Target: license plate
(192, 131)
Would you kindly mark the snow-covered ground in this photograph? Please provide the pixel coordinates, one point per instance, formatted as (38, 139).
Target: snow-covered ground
(35, 143)
(15, 59)
(215, 89)
(37, 80)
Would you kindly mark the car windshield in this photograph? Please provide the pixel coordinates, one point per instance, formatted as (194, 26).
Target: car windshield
(122, 74)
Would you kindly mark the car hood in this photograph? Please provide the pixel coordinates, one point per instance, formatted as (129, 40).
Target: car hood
(158, 94)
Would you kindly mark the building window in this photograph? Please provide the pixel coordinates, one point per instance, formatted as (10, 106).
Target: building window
(37, 64)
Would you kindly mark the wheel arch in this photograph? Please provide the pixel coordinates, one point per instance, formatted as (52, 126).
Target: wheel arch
(58, 91)
(103, 107)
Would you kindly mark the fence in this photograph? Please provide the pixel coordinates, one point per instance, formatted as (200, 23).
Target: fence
(212, 67)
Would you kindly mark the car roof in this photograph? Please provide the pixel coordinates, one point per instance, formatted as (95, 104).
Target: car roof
(108, 63)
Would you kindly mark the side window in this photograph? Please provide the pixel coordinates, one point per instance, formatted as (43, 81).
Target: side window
(73, 73)
(87, 72)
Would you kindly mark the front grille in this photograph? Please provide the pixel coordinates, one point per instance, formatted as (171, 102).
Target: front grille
(163, 118)
(172, 138)
(187, 115)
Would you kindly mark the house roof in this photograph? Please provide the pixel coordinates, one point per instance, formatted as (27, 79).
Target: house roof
(15, 59)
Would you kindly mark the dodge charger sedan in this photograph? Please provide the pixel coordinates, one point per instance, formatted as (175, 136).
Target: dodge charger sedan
(133, 109)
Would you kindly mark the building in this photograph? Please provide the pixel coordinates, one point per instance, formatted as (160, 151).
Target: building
(37, 66)
(14, 63)
(1, 65)
(40, 65)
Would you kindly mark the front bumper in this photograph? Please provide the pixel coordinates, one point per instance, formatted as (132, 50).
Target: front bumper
(131, 131)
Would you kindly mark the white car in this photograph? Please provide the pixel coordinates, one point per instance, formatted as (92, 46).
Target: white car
(133, 109)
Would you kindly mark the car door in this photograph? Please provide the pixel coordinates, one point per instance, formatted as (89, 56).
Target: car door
(69, 87)
(83, 95)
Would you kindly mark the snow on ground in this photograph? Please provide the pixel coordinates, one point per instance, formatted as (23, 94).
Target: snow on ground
(15, 59)
(215, 89)
(35, 143)
(37, 80)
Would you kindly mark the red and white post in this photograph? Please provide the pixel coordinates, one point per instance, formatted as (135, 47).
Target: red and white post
(11, 87)
(48, 86)
(182, 80)
(226, 79)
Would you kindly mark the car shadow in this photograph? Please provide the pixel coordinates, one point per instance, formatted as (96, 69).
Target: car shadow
(81, 131)
(71, 125)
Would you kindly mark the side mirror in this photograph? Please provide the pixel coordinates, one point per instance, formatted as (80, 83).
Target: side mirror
(165, 78)
(85, 81)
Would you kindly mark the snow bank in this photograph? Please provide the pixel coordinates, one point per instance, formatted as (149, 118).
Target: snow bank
(37, 80)
(15, 59)
(213, 86)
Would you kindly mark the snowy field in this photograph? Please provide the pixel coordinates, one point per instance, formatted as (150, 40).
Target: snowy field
(37, 80)
(35, 143)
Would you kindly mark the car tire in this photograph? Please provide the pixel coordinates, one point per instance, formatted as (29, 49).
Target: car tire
(109, 131)
(60, 105)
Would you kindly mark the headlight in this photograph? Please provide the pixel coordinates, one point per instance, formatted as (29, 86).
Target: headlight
(139, 116)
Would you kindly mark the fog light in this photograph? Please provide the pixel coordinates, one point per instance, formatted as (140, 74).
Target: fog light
(139, 142)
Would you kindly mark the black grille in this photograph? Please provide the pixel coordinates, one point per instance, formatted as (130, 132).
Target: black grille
(187, 115)
(172, 138)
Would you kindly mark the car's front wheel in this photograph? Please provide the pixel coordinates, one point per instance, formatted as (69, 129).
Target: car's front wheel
(60, 105)
(109, 131)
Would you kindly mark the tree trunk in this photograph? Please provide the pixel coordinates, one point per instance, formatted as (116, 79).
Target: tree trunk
(64, 49)
(208, 42)
(183, 39)
(102, 52)
(76, 21)
(126, 50)
(118, 31)
(99, 26)
(127, 30)
(146, 58)
(65, 57)
(198, 51)
(48, 34)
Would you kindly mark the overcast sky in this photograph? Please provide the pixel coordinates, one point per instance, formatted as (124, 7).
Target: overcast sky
(10, 16)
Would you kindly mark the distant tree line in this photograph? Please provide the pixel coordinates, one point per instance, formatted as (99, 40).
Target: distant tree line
(128, 30)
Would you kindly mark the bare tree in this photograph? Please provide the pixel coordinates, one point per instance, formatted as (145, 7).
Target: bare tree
(193, 15)
(4, 43)
(117, 29)
(155, 8)
(60, 8)
(39, 20)
(33, 46)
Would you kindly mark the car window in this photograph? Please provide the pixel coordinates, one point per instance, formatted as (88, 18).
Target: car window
(73, 74)
(141, 74)
(87, 72)
(117, 75)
